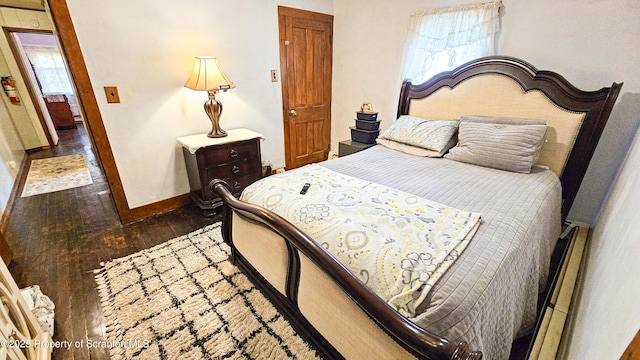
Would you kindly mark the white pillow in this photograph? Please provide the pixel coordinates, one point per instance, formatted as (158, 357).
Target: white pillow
(424, 133)
(414, 150)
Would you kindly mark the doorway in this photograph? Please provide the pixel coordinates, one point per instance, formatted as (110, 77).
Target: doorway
(52, 90)
(306, 54)
(58, 12)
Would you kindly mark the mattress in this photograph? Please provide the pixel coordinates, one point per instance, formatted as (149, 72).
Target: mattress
(489, 295)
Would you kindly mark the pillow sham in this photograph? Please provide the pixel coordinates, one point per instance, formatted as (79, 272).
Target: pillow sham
(509, 121)
(499, 143)
(424, 133)
(414, 150)
(501, 120)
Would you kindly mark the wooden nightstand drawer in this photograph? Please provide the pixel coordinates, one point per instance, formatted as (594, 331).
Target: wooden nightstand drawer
(236, 168)
(233, 171)
(229, 152)
(234, 159)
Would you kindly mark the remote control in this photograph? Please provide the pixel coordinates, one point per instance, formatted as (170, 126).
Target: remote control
(305, 188)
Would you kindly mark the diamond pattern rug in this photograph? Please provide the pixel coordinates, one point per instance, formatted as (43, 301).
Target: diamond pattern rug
(184, 300)
(55, 174)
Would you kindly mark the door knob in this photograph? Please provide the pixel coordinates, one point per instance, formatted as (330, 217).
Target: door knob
(292, 112)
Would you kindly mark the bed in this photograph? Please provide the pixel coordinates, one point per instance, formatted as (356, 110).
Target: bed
(494, 271)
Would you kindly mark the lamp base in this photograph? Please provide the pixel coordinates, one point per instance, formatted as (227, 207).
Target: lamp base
(213, 108)
(220, 133)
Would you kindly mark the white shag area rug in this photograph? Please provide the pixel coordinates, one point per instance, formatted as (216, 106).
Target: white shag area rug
(55, 174)
(184, 300)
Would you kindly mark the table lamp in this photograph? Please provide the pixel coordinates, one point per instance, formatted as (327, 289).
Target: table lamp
(207, 75)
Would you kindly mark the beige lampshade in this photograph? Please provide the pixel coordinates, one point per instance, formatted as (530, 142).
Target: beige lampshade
(207, 75)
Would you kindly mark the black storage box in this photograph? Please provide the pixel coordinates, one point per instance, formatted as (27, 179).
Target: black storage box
(367, 124)
(364, 136)
(361, 115)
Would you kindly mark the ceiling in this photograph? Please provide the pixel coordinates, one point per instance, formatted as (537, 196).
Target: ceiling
(24, 4)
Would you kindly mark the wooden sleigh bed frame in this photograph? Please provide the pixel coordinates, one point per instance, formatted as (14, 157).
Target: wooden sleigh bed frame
(316, 293)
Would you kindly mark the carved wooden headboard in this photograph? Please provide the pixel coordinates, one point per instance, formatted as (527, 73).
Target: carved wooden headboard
(509, 87)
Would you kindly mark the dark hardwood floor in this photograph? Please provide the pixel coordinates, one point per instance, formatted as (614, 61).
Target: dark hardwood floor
(59, 238)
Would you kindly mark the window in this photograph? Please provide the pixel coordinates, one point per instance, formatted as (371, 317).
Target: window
(441, 39)
(49, 68)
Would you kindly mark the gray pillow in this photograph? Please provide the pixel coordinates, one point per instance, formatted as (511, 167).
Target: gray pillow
(499, 143)
(501, 120)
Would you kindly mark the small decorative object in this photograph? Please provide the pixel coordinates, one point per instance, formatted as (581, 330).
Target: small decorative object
(367, 126)
(366, 112)
(207, 75)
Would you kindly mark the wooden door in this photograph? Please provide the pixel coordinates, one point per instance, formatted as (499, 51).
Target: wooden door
(305, 63)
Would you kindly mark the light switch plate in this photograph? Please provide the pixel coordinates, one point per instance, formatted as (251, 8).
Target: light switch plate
(112, 94)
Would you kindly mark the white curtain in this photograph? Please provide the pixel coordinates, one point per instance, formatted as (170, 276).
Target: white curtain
(49, 67)
(441, 39)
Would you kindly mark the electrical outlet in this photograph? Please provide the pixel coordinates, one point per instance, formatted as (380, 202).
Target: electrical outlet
(274, 75)
(112, 94)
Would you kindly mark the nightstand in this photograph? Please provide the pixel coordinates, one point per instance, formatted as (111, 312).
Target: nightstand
(347, 147)
(234, 159)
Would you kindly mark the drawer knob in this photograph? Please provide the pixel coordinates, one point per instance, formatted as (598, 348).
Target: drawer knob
(233, 153)
(237, 185)
(235, 169)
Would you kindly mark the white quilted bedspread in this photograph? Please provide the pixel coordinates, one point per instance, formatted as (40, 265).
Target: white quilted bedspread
(396, 243)
(489, 295)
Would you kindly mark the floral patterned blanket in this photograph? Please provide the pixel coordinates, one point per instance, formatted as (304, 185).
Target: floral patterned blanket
(396, 243)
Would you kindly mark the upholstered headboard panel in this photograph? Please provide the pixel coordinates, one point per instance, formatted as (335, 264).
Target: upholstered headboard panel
(509, 87)
(497, 95)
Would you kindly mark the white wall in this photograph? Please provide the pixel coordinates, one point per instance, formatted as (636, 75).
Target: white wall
(147, 50)
(37, 39)
(607, 316)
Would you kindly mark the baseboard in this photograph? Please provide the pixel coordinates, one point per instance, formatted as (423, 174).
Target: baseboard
(162, 206)
(37, 149)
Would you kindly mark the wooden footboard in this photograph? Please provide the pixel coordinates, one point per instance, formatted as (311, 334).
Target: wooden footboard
(337, 314)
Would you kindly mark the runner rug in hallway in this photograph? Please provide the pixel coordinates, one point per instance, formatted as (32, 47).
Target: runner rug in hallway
(55, 174)
(184, 300)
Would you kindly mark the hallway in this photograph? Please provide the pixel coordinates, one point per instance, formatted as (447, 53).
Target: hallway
(59, 238)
